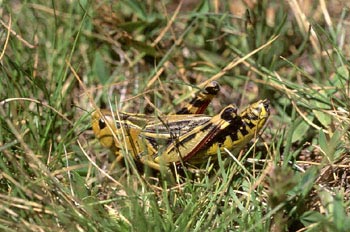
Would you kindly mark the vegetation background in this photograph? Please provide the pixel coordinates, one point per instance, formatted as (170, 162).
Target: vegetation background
(59, 60)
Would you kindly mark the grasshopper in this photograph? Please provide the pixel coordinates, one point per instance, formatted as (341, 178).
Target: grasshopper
(186, 137)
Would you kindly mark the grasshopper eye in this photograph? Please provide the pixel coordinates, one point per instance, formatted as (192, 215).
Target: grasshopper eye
(260, 110)
(101, 123)
(267, 105)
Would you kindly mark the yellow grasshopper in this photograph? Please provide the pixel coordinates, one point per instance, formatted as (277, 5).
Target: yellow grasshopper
(188, 136)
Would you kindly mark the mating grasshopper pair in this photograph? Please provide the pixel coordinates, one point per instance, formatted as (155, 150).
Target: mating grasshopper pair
(188, 136)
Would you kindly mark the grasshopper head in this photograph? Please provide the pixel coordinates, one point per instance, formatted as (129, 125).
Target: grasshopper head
(102, 125)
(261, 109)
(256, 114)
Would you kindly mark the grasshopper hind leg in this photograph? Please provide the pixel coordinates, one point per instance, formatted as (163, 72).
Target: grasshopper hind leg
(201, 101)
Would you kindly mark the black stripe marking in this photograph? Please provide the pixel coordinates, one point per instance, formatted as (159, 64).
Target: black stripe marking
(234, 136)
(253, 117)
(231, 131)
(153, 142)
(243, 130)
(250, 124)
(197, 102)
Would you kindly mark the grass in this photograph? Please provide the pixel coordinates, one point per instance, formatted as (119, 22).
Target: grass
(61, 60)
